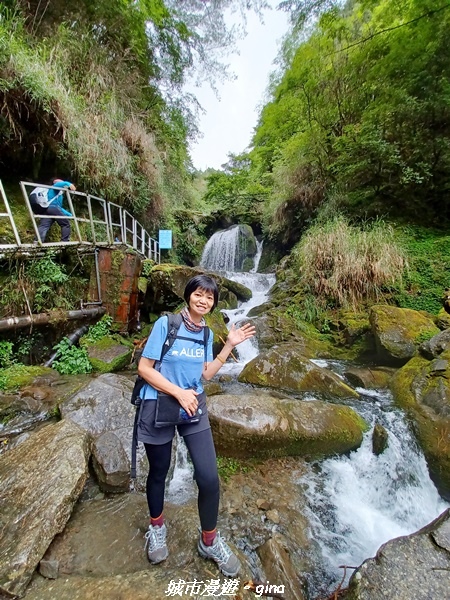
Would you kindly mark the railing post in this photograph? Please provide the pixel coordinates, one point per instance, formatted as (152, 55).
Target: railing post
(74, 218)
(28, 205)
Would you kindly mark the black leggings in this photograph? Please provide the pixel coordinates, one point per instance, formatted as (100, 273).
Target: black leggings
(203, 455)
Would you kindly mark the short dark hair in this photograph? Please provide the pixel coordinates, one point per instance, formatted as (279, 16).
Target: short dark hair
(204, 282)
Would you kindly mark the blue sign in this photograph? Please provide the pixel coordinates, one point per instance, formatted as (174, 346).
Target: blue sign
(165, 239)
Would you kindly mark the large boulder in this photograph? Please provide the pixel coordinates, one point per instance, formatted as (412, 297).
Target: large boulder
(399, 332)
(41, 481)
(103, 406)
(434, 347)
(275, 327)
(414, 566)
(285, 367)
(264, 425)
(241, 292)
(421, 387)
(111, 464)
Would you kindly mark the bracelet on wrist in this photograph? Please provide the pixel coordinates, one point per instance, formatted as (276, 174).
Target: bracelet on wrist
(220, 359)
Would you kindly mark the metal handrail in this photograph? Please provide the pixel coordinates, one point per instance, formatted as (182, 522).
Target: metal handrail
(9, 216)
(96, 222)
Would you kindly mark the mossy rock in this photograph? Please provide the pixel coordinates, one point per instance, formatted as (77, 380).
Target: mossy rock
(353, 326)
(18, 376)
(215, 321)
(275, 327)
(399, 332)
(110, 354)
(370, 378)
(262, 425)
(243, 293)
(285, 367)
(425, 394)
(442, 319)
(227, 299)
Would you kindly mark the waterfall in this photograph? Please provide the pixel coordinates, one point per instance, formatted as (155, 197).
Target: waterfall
(221, 250)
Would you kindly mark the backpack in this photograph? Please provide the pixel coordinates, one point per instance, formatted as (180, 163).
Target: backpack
(174, 322)
(40, 196)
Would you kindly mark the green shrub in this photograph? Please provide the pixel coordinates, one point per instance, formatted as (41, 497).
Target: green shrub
(6, 351)
(98, 331)
(71, 359)
(429, 269)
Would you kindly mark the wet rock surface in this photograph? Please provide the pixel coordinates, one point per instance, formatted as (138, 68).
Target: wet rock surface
(41, 481)
(101, 554)
(415, 566)
(424, 393)
(35, 403)
(369, 377)
(103, 406)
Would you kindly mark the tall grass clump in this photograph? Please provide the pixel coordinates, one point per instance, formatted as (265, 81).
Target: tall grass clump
(343, 265)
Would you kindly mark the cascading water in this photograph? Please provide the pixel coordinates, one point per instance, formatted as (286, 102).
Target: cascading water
(356, 503)
(220, 255)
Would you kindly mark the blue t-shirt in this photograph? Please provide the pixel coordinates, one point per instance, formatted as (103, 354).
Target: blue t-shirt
(183, 363)
(56, 198)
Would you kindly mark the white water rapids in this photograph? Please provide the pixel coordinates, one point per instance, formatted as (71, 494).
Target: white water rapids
(357, 502)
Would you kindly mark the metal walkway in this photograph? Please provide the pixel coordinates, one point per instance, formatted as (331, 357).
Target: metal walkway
(94, 223)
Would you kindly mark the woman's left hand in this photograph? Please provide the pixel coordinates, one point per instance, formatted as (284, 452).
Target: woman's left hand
(237, 336)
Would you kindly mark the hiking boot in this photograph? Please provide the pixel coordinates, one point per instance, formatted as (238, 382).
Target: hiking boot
(155, 539)
(221, 553)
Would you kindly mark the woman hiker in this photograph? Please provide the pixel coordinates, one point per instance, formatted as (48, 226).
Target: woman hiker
(179, 375)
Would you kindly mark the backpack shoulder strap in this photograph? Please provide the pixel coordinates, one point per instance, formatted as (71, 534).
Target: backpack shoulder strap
(173, 325)
(205, 339)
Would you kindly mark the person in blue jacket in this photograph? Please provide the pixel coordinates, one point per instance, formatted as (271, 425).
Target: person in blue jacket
(180, 374)
(54, 200)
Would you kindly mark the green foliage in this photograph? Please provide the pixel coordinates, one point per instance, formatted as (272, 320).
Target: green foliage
(30, 347)
(48, 276)
(235, 189)
(6, 354)
(228, 467)
(71, 359)
(98, 331)
(121, 123)
(361, 110)
(147, 266)
(429, 269)
(41, 284)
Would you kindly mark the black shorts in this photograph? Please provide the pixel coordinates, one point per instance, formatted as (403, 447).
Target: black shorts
(149, 434)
